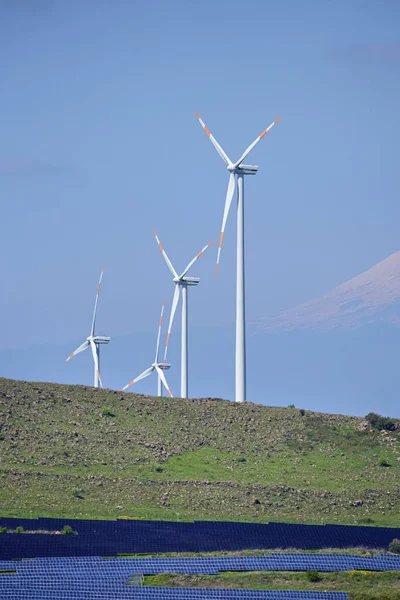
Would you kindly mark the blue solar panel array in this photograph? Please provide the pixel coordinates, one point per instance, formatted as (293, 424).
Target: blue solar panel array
(125, 536)
(104, 591)
(89, 578)
(97, 567)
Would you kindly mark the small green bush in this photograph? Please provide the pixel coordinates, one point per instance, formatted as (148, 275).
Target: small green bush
(107, 412)
(383, 462)
(372, 418)
(3, 530)
(19, 529)
(394, 546)
(385, 423)
(67, 530)
(380, 423)
(313, 576)
(291, 406)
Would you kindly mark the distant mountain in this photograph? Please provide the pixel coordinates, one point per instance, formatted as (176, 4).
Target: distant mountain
(372, 296)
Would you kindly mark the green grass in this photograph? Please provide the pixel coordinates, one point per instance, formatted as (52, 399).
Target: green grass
(63, 455)
(356, 583)
(251, 552)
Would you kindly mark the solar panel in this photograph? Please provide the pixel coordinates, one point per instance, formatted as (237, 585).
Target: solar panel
(130, 536)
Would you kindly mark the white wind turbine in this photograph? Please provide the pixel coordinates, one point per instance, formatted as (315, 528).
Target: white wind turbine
(93, 340)
(157, 366)
(236, 178)
(181, 281)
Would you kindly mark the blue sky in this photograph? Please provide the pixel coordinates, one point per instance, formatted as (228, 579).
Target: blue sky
(100, 145)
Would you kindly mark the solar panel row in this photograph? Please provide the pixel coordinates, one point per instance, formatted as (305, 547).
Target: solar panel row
(128, 536)
(102, 591)
(69, 595)
(97, 566)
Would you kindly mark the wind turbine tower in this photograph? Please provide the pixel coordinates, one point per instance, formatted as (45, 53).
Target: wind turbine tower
(94, 341)
(182, 282)
(237, 171)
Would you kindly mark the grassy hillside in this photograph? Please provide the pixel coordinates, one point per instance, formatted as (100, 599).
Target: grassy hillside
(78, 452)
(361, 585)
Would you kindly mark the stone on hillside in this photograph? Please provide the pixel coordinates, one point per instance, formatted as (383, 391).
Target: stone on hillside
(357, 503)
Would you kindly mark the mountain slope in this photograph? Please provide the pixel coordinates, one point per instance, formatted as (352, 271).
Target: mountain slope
(74, 451)
(371, 296)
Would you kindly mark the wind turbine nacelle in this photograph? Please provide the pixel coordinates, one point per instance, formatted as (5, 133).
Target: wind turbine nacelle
(191, 280)
(248, 169)
(101, 339)
(164, 366)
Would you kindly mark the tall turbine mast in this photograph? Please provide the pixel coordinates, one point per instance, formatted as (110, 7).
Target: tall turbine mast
(93, 340)
(182, 282)
(237, 171)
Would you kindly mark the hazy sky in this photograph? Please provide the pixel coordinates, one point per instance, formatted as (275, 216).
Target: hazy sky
(100, 145)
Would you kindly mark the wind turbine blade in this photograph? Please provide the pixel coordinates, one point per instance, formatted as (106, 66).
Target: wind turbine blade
(162, 377)
(96, 361)
(169, 264)
(175, 301)
(139, 377)
(250, 148)
(214, 142)
(228, 202)
(81, 348)
(159, 331)
(97, 299)
(195, 258)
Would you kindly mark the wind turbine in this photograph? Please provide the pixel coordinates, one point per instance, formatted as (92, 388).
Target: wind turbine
(157, 366)
(181, 281)
(237, 170)
(93, 340)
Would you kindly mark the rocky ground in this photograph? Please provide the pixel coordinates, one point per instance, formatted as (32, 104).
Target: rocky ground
(77, 451)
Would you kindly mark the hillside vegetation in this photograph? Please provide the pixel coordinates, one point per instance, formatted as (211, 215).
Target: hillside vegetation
(79, 452)
(361, 585)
